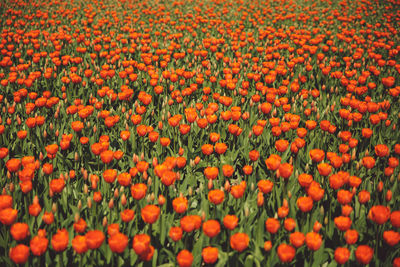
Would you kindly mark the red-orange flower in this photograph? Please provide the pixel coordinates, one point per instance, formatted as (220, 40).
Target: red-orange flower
(138, 191)
(379, 214)
(285, 170)
(286, 252)
(141, 243)
(343, 223)
(313, 240)
(8, 216)
(265, 186)
(13, 165)
(127, 215)
(273, 162)
(324, 169)
(342, 255)
(77, 126)
(19, 254)
(281, 145)
(118, 242)
(381, 150)
(317, 155)
(395, 218)
(168, 177)
(150, 213)
(38, 245)
(94, 239)
(207, 149)
(297, 239)
(211, 173)
(79, 244)
(209, 255)
(364, 254)
(184, 258)
(211, 228)
(220, 148)
(368, 162)
(272, 225)
(5, 201)
(110, 175)
(57, 185)
(239, 241)
(19, 231)
(230, 221)
(107, 156)
(60, 240)
(216, 196)
(305, 204)
(180, 204)
(175, 233)
(190, 222)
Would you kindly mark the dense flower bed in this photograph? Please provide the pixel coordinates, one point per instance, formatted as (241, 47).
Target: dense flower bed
(234, 133)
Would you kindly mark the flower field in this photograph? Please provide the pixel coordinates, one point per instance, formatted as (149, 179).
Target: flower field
(199, 133)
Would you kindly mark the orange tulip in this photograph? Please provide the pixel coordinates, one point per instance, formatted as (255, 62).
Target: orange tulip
(286, 252)
(150, 213)
(138, 191)
(364, 254)
(141, 244)
(60, 240)
(118, 242)
(297, 239)
(184, 258)
(180, 204)
(38, 245)
(19, 254)
(313, 241)
(239, 241)
(209, 255)
(211, 228)
(79, 244)
(342, 255)
(175, 233)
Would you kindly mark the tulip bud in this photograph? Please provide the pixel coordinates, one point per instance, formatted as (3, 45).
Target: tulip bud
(260, 199)
(155, 162)
(105, 221)
(380, 186)
(116, 193)
(76, 217)
(190, 191)
(76, 156)
(85, 189)
(12, 187)
(111, 203)
(227, 186)
(44, 134)
(79, 204)
(94, 129)
(321, 210)
(317, 227)
(152, 197)
(57, 132)
(54, 207)
(123, 200)
(41, 156)
(161, 200)
(289, 194)
(89, 202)
(388, 195)
(8, 175)
(210, 184)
